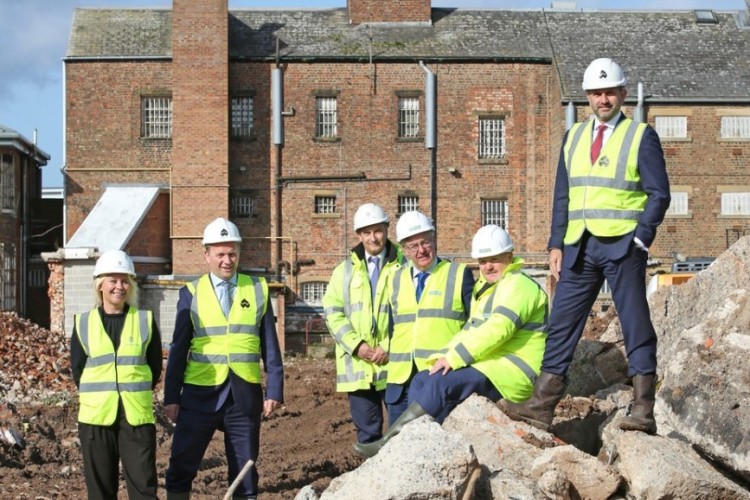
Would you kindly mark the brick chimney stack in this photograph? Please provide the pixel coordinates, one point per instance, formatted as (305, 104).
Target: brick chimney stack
(200, 138)
(389, 11)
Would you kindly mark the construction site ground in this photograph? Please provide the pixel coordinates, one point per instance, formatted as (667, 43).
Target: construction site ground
(308, 441)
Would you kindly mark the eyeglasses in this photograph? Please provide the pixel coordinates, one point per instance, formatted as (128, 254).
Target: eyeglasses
(413, 247)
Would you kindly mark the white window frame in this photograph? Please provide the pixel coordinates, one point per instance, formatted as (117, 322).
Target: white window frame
(735, 127)
(7, 183)
(325, 204)
(495, 211)
(671, 127)
(8, 276)
(407, 203)
(734, 204)
(242, 116)
(326, 117)
(156, 117)
(491, 138)
(408, 117)
(679, 204)
(311, 292)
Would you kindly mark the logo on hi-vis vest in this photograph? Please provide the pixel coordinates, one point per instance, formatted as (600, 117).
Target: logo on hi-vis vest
(604, 161)
(244, 304)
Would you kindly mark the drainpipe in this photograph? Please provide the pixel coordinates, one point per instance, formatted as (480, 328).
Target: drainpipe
(430, 136)
(277, 98)
(639, 114)
(570, 115)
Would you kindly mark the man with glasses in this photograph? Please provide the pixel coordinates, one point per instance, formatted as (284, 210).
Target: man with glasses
(430, 301)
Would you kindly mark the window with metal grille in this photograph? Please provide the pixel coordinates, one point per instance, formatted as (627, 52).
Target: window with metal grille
(495, 211)
(8, 276)
(735, 203)
(735, 127)
(407, 203)
(408, 117)
(491, 138)
(325, 204)
(37, 278)
(679, 203)
(671, 127)
(326, 117)
(242, 203)
(7, 183)
(312, 292)
(156, 117)
(242, 116)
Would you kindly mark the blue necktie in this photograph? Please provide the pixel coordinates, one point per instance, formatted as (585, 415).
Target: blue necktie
(375, 275)
(421, 278)
(225, 296)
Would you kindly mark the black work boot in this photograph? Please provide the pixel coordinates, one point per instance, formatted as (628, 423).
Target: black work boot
(641, 415)
(413, 412)
(539, 409)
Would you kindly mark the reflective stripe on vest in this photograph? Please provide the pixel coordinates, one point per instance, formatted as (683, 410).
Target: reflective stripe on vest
(606, 198)
(222, 343)
(109, 377)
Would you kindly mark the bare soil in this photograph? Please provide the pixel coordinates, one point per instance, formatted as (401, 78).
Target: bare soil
(308, 441)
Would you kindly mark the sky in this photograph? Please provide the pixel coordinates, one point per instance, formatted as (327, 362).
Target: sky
(35, 33)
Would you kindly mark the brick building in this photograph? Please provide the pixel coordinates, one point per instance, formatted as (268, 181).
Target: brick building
(286, 121)
(23, 225)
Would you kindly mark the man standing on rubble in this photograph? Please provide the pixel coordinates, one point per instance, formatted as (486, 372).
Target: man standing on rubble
(356, 310)
(611, 194)
(224, 328)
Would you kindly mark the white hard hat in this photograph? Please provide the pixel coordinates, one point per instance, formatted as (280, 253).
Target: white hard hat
(114, 262)
(603, 73)
(411, 223)
(221, 231)
(369, 214)
(490, 240)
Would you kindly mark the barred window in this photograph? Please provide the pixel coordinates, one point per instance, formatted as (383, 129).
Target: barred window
(408, 117)
(8, 276)
(735, 127)
(37, 278)
(7, 183)
(242, 116)
(671, 127)
(325, 204)
(312, 292)
(679, 203)
(735, 203)
(326, 117)
(491, 138)
(495, 211)
(407, 203)
(156, 117)
(242, 203)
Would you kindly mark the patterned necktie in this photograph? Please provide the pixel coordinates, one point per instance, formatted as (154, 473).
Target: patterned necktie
(374, 275)
(421, 278)
(225, 296)
(596, 147)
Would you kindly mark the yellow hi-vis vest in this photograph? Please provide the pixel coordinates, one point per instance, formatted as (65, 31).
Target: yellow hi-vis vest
(420, 330)
(109, 376)
(607, 197)
(505, 336)
(353, 316)
(220, 343)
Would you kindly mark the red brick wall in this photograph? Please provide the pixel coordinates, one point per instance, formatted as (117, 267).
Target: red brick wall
(378, 11)
(200, 144)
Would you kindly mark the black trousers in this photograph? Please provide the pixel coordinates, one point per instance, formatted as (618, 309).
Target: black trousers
(104, 446)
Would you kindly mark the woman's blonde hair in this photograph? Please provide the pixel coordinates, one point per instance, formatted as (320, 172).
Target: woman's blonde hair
(131, 299)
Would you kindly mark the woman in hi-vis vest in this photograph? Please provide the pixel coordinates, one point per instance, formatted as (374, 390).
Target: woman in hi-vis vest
(116, 360)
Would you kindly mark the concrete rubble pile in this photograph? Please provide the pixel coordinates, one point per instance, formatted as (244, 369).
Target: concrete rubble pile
(702, 449)
(34, 369)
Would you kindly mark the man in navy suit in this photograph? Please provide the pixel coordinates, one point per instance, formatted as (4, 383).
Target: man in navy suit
(611, 193)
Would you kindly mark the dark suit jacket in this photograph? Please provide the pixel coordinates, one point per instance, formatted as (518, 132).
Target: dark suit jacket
(655, 184)
(249, 397)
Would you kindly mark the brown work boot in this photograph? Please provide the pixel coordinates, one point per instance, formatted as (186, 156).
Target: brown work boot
(539, 410)
(641, 414)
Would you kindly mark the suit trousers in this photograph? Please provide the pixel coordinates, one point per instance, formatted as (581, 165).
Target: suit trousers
(366, 406)
(575, 295)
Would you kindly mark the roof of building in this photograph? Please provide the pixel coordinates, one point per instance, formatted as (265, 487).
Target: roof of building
(675, 56)
(12, 139)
